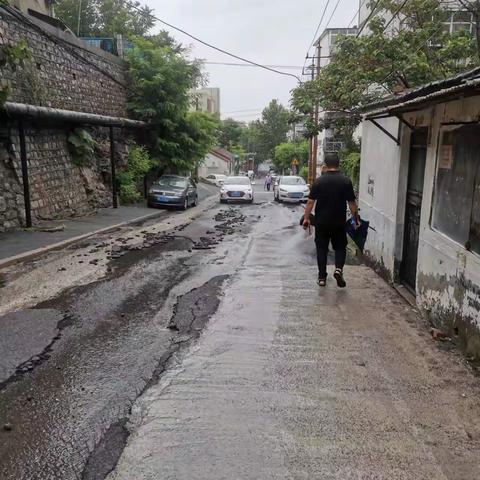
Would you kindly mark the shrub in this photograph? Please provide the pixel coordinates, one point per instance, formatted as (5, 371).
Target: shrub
(81, 146)
(304, 173)
(130, 180)
(350, 166)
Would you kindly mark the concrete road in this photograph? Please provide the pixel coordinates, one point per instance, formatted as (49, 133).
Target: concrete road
(202, 348)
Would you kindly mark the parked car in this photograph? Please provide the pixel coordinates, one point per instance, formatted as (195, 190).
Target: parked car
(173, 191)
(291, 189)
(236, 189)
(217, 179)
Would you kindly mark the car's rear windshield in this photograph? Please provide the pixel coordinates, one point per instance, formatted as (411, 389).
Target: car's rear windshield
(237, 181)
(173, 182)
(292, 181)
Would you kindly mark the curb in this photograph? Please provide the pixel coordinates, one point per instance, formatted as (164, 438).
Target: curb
(65, 243)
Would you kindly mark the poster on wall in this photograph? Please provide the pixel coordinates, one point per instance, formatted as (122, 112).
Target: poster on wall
(446, 157)
(371, 186)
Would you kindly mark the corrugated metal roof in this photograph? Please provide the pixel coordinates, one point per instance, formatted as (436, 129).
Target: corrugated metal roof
(431, 91)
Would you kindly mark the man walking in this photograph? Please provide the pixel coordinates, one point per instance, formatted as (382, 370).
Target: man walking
(268, 182)
(331, 192)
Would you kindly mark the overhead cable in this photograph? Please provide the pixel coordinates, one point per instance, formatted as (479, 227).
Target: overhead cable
(218, 49)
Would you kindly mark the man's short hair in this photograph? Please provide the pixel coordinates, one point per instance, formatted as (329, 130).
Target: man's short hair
(332, 160)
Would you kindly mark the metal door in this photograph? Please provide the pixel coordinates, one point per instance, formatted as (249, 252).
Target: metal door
(416, 175)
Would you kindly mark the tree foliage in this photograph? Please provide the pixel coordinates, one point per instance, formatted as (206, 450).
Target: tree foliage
(368, 67)
(230, 133)
(105, 18)
(271, 130)
(161, 79)
(130, 179)
(287, 152)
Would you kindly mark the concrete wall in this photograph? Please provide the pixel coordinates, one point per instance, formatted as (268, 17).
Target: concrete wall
(213, 165)
(42, 6)
(206, 100)
(448, 275)
(379, 194)
(64, 74)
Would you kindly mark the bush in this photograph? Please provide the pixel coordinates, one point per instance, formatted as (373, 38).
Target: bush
(81, 146)
(304, 173)
(130, 180)
(350, 166)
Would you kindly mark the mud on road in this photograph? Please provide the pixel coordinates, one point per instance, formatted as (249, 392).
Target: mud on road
(67, 384)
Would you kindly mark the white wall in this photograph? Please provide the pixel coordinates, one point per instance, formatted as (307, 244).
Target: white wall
(213, 165)
(379, 190)
(448, 275)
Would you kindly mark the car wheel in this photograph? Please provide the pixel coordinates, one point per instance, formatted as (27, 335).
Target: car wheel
(185, 204)
(223, 201)
(195, 201)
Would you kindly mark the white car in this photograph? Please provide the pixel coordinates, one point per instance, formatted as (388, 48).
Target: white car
(217, 179)
(291, 189)
(236, 189)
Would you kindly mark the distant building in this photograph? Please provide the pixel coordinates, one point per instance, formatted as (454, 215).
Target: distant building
(206, 100)
(297, 132)
(328, 140)
(44, 7)
(218, 161)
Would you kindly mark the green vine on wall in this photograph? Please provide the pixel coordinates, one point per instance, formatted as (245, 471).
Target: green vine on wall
(12, 56)
(81, 146)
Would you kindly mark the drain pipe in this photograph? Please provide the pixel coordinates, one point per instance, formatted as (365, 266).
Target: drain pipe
(25, 180)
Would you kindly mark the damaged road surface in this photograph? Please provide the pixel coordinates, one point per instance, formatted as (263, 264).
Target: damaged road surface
(72, 365)
(202, 349)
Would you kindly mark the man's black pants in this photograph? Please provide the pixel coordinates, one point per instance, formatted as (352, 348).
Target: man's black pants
(323, 236)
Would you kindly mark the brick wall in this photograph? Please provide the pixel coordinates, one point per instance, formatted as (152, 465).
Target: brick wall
(64, 74)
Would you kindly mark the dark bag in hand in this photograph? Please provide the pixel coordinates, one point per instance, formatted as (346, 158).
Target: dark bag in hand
(312, 220)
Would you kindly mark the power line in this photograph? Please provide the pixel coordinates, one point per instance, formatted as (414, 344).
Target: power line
(333, 13)
(372, 13)
(318, 26)
(315, 34)
(218, 49)
(241, 111)
(230, 64)
(357, 13)
(399, 9)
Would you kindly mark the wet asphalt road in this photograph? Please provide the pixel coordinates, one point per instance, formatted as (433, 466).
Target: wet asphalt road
(200, 347)
(74, 363)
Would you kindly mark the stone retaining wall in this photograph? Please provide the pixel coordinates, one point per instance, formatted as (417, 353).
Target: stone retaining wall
(61, 73)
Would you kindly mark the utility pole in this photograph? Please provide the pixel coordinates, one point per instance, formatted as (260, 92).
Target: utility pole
(313, 141)
(79, 16)
(315, 119)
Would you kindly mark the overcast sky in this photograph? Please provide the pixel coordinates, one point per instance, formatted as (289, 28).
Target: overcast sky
(275, 32)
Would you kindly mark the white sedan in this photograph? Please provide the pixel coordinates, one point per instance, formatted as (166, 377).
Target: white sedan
(217, 179)
(236, 189)
(291, 189)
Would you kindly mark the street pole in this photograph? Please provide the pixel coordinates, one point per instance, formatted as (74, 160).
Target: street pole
(316, 118)
(25, 180)
(79, 16)
(311, 159)
(113, 169)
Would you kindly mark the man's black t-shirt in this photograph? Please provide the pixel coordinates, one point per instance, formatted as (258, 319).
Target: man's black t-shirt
(332, 191)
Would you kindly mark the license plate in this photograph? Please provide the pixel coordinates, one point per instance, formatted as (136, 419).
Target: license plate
(296, 195)
(161, 198)
(236, 194)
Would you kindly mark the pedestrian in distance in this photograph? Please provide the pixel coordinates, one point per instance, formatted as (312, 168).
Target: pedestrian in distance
(329, 195)
(268, 182)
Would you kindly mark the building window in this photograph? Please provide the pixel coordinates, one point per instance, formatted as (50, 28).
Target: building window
(458, 20)
(456, 211)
